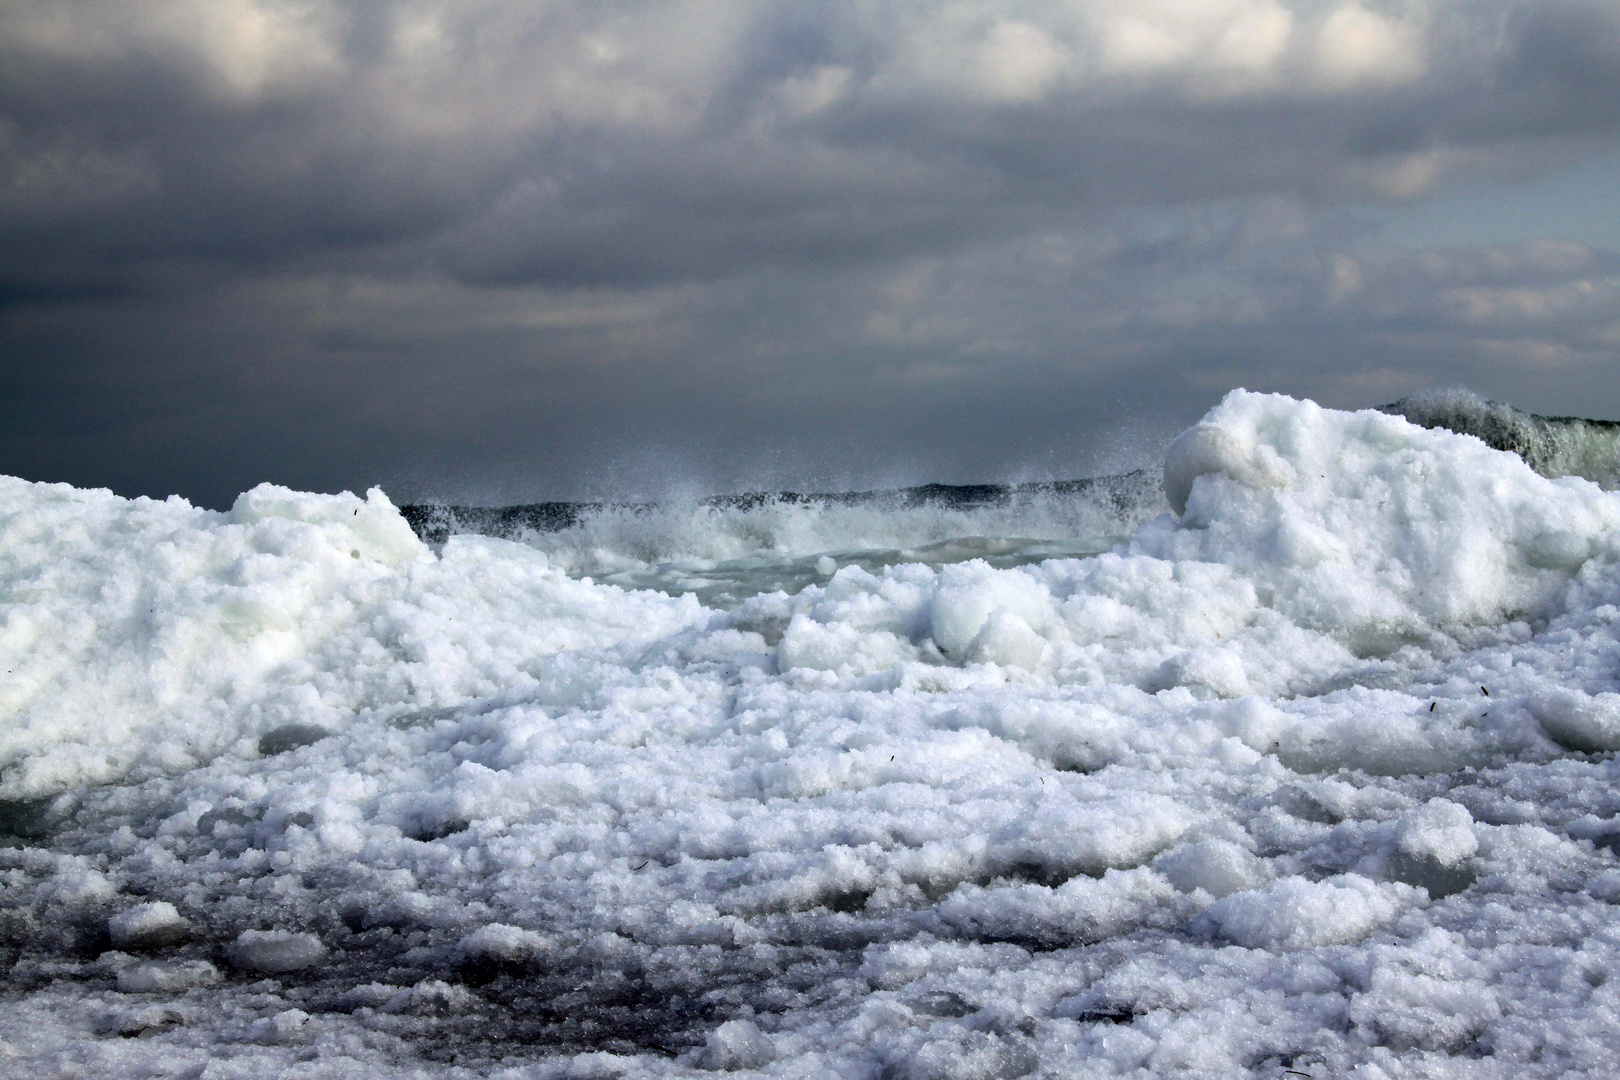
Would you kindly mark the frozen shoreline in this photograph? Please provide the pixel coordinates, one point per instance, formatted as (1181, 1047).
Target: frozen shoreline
(1316, 775)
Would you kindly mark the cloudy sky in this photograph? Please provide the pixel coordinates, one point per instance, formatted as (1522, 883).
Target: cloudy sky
(495, 250)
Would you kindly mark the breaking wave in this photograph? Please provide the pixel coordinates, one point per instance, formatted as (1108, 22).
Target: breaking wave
(1551, 445)
(727, 548)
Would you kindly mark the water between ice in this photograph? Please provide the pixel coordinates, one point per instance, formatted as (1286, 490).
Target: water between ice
(1313, 774)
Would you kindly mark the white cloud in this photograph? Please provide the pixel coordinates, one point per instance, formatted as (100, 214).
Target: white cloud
(1345, 278)
(1018, 62)
(1218, 45)
(246, 48)
(1356, 47)
(813, 92)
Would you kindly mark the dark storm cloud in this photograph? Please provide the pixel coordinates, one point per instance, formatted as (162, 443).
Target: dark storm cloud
(432, 242)
(594, 142)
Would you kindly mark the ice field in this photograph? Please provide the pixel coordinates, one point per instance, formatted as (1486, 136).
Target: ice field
(1303, 765)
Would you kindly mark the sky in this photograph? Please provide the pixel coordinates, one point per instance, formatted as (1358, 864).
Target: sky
(506, 250)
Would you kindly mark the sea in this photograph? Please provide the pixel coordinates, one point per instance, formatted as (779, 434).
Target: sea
(1292, 755)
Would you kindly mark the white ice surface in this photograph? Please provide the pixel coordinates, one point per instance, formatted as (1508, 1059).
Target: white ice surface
(1314, 776)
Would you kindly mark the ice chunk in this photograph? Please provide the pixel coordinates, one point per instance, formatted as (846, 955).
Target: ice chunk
(166, 977)
(370, 529)
(1426, 995)
(1008, 640)
(431, 997)
(498, 948)
(1605, 886)
(276, 951)
(1407, 1010)
(1433, 846)
(1577, 721)
(1439, 829)
(953, 1054)
(1294, 913)
(73, 885)
(1219, 867)
(498, 941)
(1208, 448)
(147, 926)
(967, 595)
(1081, 909)
(284, 1027)
(841, 648)
(140, 1022)
(736, 1044)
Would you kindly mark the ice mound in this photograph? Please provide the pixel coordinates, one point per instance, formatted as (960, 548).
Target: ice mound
(1315, 774)
(1298, 914)
(1361, 522)
(152, 636)
(1306, 540)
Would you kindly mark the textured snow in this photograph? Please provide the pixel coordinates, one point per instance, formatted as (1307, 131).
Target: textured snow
(1313, 775)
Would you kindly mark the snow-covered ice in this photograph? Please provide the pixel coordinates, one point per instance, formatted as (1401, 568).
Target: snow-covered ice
(1313, 773)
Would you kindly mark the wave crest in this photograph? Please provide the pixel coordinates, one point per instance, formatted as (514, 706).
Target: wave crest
(1552, 445)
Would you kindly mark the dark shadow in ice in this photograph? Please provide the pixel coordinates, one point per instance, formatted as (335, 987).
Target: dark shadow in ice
(1427, 872)
(438, 830)
(663, 1002)
(1106, 1013)
(290, 737)
(229, 816)
(942, 1003)
(1297, 802)
(33, 819)
(1385, 675)
(847, 901)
